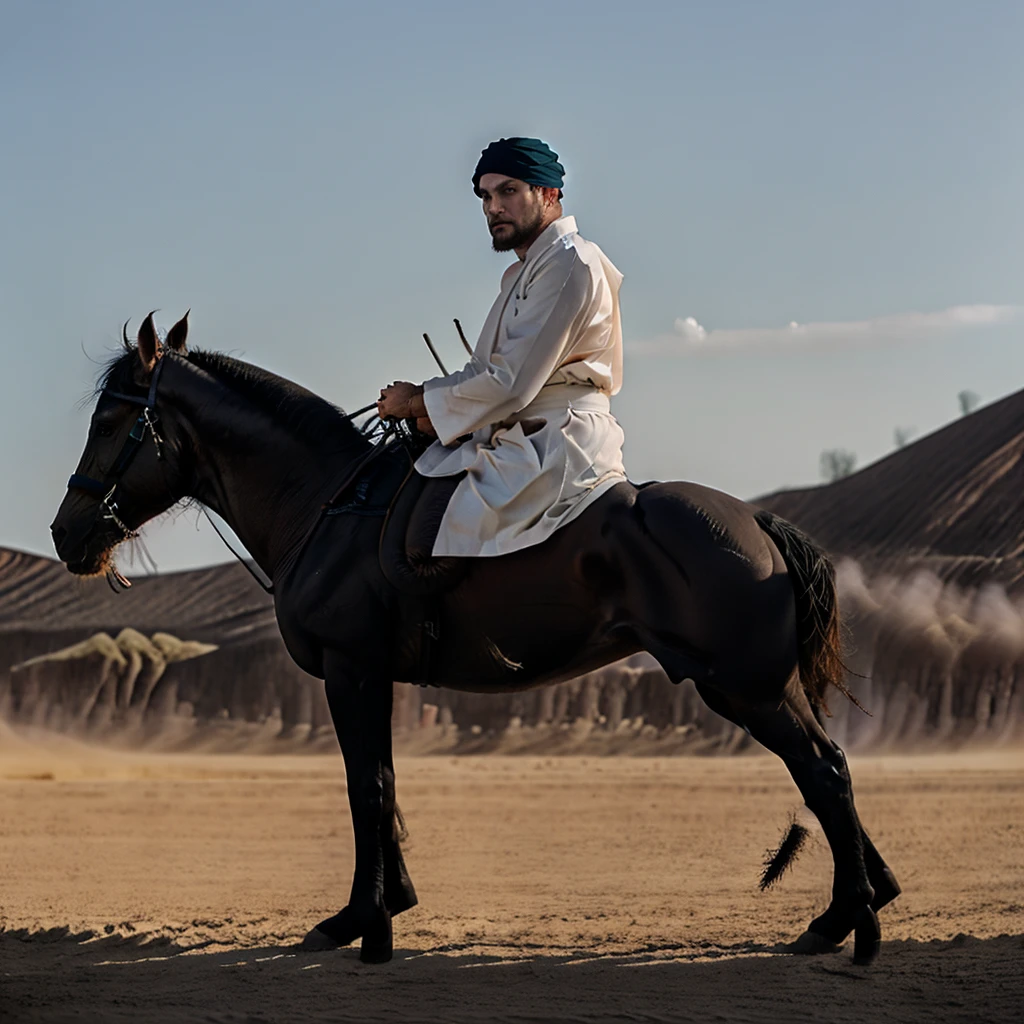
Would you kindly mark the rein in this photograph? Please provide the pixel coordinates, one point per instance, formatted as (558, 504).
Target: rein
(147, 422)
(301, 546)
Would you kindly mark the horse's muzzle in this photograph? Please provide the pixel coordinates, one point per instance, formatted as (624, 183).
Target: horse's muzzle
(82, 546)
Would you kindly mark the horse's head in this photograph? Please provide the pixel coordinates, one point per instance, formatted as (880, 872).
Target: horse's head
(131, 469)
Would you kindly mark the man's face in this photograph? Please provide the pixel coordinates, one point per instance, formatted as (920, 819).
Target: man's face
(514, 210)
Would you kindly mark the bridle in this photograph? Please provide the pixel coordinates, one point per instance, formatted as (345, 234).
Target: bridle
(106, 489)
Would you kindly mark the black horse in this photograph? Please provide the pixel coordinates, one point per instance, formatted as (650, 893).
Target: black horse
(718, 592)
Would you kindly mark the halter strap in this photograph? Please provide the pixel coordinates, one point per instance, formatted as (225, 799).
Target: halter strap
(150, 400)
(147, 420)
(80, 482)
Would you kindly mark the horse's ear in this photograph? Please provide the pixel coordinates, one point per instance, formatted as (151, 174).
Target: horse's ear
(178, 334)
(148, 343)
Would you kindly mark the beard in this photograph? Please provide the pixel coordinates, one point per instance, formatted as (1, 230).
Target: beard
(520, 235)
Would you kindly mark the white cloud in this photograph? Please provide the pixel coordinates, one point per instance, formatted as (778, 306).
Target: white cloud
(690, 336)
(689, 330)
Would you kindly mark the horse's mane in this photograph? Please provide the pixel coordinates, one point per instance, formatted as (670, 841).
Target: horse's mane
(306, 416)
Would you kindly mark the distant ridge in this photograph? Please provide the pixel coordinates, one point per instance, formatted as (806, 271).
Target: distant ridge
(952, 502)
(220, 603)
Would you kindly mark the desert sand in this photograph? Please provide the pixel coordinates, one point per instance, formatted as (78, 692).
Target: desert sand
(172, 887)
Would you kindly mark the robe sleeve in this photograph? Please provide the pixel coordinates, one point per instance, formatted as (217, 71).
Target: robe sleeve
(534, 337)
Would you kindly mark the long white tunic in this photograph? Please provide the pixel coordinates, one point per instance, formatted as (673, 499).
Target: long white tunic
(534, 400)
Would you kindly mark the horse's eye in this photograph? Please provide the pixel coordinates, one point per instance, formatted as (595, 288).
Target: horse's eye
(104, 430)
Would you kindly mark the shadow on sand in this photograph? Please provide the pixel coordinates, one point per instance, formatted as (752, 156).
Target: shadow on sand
(57, 976)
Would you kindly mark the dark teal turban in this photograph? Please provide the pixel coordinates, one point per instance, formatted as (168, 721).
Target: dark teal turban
(529, 160)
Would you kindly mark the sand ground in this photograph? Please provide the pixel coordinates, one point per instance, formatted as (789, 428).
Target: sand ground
(143, 887)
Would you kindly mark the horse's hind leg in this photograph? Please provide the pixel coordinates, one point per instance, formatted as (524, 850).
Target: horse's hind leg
(818, 768)
(880, 875)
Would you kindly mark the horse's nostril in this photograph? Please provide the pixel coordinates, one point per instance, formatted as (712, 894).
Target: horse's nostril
(58, 533)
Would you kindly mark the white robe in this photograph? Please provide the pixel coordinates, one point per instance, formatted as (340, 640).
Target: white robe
(535, 400)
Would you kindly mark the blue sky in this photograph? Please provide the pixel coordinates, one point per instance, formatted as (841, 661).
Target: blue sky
(298, 174)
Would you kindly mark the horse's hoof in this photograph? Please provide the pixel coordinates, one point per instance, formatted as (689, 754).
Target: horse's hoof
(317, 941)
(812, 944)
(375, 954)
(867, 939)
(332, 932)
(377, 945)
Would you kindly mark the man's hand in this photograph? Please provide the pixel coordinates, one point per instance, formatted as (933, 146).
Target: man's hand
(401, 400)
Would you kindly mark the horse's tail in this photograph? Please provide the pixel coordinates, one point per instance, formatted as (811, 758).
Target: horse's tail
(777, 861)
(817, 609)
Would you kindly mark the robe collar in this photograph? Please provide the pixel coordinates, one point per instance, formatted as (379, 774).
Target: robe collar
(552, 233)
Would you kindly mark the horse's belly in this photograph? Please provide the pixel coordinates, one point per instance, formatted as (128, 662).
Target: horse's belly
(489, 668)
(508, 641)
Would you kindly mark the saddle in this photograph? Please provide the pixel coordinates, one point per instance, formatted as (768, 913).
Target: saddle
(412, 507)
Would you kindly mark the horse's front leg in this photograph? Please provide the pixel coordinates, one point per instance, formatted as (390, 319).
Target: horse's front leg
(360, 704)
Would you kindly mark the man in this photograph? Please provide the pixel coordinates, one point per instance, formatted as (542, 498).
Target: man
(528, 418)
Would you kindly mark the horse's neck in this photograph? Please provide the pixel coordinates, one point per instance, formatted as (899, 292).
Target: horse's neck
(266, 484)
